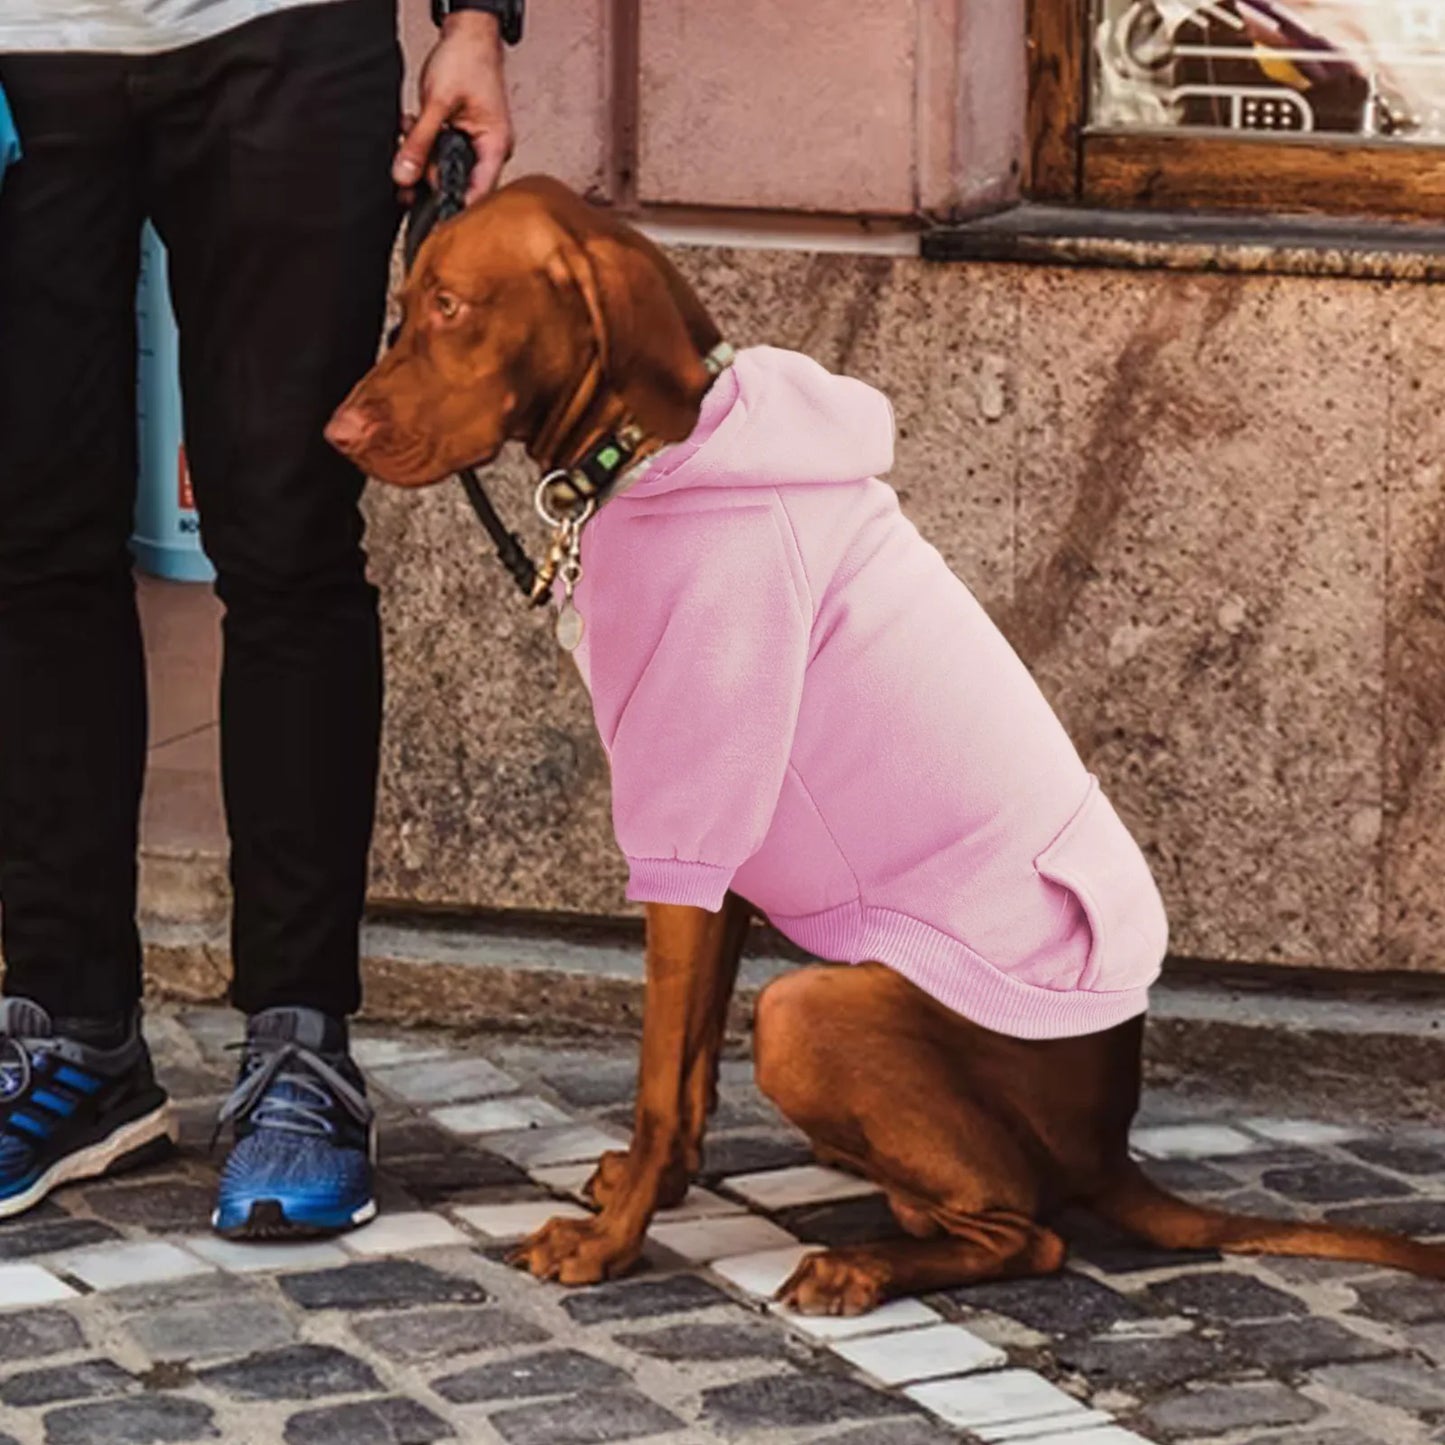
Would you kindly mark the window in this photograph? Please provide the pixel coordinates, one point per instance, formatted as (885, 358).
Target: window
(1330, 106)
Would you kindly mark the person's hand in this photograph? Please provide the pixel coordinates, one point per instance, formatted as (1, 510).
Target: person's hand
(462, 85)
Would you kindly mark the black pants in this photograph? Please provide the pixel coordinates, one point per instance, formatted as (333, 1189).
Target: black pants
(263, 157)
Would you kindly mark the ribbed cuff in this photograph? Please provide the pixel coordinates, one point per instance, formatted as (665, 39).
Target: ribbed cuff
(671, 880)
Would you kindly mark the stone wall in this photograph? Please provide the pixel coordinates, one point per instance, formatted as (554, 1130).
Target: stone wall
(1205, 508)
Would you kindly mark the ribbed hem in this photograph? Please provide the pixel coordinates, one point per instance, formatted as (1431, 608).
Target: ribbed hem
(672, 880)
(959, 978)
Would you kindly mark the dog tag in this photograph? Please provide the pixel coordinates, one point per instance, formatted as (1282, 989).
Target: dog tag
(569, 627)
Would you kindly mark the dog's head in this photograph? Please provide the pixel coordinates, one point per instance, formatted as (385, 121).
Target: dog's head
(531, 316)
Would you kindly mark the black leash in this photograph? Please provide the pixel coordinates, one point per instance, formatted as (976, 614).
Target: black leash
(455, 158)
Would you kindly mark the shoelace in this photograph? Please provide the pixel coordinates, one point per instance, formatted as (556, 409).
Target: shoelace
(316, 1083)
(17, 1068)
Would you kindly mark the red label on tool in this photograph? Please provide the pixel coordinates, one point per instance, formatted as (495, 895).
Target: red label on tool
(185, 495)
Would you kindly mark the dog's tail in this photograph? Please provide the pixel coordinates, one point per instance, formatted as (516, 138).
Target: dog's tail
(1140, 1207)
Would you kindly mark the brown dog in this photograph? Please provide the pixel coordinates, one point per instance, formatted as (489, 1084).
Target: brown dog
(537, 318)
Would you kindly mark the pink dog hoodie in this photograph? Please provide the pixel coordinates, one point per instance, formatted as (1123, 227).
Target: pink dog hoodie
(801, 703)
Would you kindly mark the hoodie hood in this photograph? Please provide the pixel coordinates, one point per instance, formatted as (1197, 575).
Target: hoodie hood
(777, 418)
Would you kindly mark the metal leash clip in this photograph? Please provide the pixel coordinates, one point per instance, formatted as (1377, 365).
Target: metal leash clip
(564, 559)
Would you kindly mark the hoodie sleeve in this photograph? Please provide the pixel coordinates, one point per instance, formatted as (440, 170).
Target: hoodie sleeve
(696, 666)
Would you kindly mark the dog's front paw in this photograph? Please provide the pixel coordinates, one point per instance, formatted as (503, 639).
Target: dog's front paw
(837, 1282)
(576, 1251)
(609, 1179)
(612, 1181)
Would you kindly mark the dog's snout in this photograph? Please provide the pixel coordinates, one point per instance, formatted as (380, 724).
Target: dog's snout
(353, 425)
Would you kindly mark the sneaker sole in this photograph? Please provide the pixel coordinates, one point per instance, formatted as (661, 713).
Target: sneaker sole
(267, 1221)
(142, 1140)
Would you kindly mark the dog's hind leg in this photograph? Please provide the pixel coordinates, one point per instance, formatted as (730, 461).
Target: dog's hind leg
(860, 1277)
(877, 1075)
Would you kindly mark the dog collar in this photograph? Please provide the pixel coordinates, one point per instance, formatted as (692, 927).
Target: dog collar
(568, 498)
(608, 468)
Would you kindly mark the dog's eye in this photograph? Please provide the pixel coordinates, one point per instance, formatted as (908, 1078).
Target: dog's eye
(448, 305)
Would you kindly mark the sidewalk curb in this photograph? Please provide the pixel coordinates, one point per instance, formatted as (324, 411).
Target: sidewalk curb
(1368, 1054)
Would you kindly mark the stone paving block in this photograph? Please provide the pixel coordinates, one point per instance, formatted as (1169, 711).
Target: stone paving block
(1299, 1344)
(1092, 1241)
(642, 1299)
(1225, 1295)
(596, 1418)
(565, 1178)
(1069, 1428)
(409, 1135)
(687, 1342)
(1191, 1176)
(1007, 1397)
(703, 1240)
(1405, 1384)
(698, 1203)
(790, 1401)
(1062, 1304)
(1215, 1409)
(132, 1262)
(34, 1334)
(1403, 1156)
(548, 1372)
(1099, 1435)
(435, 1334)
(298, 1372)
(1333, 1183)
(749, 1153)
(1318, 1271)
(376, 1052)
(897, 1432)
(924, 1354)
(561, 1144)
(380, 1284)
(1406, 1298)
(440, 1178)
(1312, 1133)
(261, 1258)
(54, 1383)
(1192, 1141)
(53, 1236)
(900, 1314)
(445, 1081)
(393, 1421)
(761, 1275)
(595, 1084)
(145, 1420)
(208, 1331)
(500, 1116)
(865, 1220)
(1327, 1436)
(29, 1284)
(516, 1220)
(772, 1190)
(162, 1208)
(401, 1234)
(1424, 1218)
(1144, 1362)
(1431, 1342)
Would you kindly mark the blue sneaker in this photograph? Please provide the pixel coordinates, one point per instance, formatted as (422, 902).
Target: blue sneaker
(305, 1135)
(69, 1111)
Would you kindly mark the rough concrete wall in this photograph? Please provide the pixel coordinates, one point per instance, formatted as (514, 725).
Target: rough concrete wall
(1206, 509)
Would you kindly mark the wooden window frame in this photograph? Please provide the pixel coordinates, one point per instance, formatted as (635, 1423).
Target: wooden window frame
(1111, 169)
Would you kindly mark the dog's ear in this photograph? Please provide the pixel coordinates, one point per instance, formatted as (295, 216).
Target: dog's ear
(652, 332)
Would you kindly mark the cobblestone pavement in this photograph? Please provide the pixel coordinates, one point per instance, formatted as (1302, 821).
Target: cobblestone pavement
(122, 1321)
